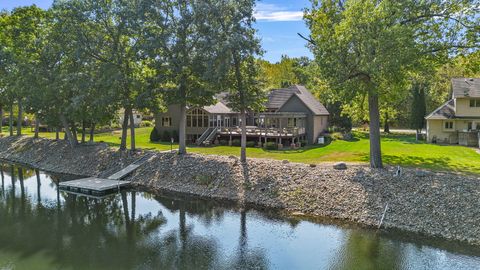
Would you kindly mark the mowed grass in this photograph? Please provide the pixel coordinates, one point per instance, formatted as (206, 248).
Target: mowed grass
(396, 149)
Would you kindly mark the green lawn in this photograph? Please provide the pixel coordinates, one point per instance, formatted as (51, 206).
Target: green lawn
(397, 149)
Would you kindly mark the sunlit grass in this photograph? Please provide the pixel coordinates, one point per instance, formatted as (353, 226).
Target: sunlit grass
(396, 149)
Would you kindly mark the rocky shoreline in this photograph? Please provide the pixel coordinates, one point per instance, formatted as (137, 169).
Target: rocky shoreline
(437, 204)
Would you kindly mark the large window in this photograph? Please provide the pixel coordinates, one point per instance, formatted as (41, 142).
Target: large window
(166, 121)
(197, 118)
(474, 102)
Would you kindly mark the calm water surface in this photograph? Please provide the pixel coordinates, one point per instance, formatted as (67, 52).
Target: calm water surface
(42, 228)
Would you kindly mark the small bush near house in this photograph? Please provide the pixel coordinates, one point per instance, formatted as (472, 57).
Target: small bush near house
(166, 136)
(236, 142)
(146, 123)
(223, 142)
(336, 136)
(250, 144)
(174, 135)
(303, 143)
(154, 136)
(271, 146)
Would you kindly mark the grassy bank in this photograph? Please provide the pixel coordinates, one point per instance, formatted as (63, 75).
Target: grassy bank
(397, 150)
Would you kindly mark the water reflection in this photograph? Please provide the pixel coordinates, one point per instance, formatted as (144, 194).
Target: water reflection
(43, 228)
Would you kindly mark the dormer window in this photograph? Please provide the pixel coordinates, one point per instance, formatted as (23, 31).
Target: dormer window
(474, 103)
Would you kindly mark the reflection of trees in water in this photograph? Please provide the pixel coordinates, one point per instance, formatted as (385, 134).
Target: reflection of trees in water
(362, 250)
(87, 233)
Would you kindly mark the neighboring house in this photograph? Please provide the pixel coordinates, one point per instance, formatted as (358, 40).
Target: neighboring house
(458, 120)
(291, 115)
(137, 117)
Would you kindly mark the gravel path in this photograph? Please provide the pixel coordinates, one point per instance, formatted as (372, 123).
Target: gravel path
(436, 204)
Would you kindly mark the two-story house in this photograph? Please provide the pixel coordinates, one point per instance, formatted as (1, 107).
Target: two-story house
(291, 114)
(458, 120)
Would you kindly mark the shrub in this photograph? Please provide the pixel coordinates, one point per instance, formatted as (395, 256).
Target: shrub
(303, 143)
(223, 142)
(236, 142)
(146, 123)
(250, 144)
(174, 135)
(337, 136)
(166, 136)
(271, 146)
(154, 136)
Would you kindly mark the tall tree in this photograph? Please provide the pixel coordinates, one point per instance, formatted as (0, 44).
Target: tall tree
(106, 31)
(181, 52)
(367, 47)
(239, 46)
(419, 109)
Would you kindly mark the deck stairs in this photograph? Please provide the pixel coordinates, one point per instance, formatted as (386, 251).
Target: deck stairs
(211, 137)
(204, 136)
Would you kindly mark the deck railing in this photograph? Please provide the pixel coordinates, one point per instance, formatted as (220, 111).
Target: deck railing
(270, 132)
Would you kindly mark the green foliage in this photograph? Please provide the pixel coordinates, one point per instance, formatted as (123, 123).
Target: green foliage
(250, 144)
(419, 110)
(271, 146)
(166, 136)
(223, 142)
(146, 123)
(175, 135)
(235, 142)
(154, 136)
(370, 49)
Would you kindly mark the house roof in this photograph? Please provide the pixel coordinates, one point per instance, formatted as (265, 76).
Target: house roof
(466, 87)
(446, 111)
(218, 108)
(278, 97)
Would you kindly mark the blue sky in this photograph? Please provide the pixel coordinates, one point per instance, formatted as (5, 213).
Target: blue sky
(278, 22)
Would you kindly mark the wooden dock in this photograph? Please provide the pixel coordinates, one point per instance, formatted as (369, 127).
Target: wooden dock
(99, 186)
(93, 185)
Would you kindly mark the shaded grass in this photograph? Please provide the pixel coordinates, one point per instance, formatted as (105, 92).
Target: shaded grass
(396, 149)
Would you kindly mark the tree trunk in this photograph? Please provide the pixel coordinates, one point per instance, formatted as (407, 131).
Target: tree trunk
(71, 139)
(37, 126)
(386, 128)
(240, 90)
(182, 147)
(123, 143)
(1, 118)
(132, 131)
(84, 131)
(417, 133)
(10, 120)
(243, 139)
(57, 133)
(74, 132)
(92, 132)
(19, 119)
(375, 149)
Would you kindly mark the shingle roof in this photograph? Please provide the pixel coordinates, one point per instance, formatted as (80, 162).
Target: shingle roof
(219, 108)
(278, 97)
(466, 87)
(446, 111)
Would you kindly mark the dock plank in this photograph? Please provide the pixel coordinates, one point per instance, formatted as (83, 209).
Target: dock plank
(124, 172)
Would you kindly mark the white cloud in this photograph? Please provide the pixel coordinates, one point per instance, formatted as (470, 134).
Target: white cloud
(275, 13)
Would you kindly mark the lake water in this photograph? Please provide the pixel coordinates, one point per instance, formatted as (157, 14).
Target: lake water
(42, 228)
